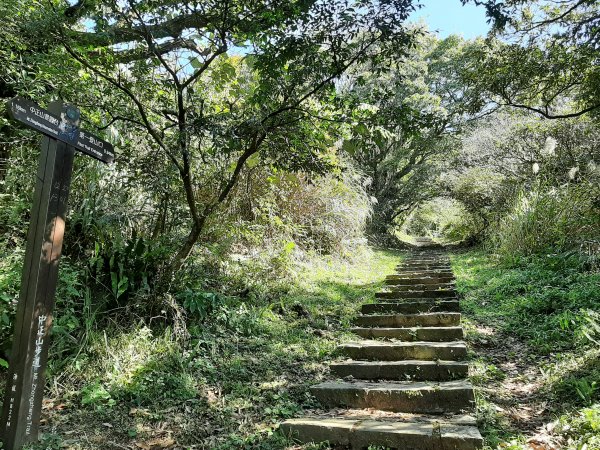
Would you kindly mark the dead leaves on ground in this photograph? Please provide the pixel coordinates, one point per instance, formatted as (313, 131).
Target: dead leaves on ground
(156, 444)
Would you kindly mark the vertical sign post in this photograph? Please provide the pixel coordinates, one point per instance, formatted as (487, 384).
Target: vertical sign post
(22, 405)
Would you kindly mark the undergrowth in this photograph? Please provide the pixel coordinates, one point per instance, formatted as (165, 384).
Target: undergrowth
(533, 324)
(246, 367)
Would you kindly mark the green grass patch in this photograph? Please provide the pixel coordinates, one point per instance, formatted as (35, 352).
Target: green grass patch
(246, 367)
(533, 324)
(544, 300)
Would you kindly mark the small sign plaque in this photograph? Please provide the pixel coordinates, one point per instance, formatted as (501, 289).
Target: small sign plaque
(64, 128)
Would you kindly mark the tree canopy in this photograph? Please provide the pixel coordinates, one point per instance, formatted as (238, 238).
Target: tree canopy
(555, 46)
(266, 152)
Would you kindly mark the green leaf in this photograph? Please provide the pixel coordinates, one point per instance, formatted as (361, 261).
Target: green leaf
(350, 147)
(196, 63)
(114, 282)
(123, 285)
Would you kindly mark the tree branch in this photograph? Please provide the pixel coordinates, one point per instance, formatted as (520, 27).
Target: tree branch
(141, 109)
(548, 115)
(321, 84)
(122, 118)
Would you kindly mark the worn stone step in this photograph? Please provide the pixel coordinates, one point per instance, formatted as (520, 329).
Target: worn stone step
(414, 275)
(416, 370)
(431, 334)
(425, 260)
(411, 307)
(430, 262)
(425, 264)
(423, 273)
(421, 287)
(391, 294)
(444, 266)
(410, 320)
(398, 280)
(424, 268)
(418, 299)
(410, 397)
(362, 434)
(397, 351)
(428, 279)
(431, 295)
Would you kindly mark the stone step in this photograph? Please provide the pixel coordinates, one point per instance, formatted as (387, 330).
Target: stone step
(425, 261)
(445, 261)
(431, 295)
(404, 279)
(444, 266)
(398, 351)
(424, 269)
(415, 370)
(417, 299)
(424, 264)
(397, 280)
(425, 258)
(421, 287)
(410, 397)
(411, 307)
(423, 273)
(430, 334)
(410, 320)
(362, 434)
(391, 294)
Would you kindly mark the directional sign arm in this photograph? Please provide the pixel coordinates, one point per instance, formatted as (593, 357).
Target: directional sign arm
(63, 128)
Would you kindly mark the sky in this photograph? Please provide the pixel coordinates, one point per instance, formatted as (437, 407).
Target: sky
(451, 17)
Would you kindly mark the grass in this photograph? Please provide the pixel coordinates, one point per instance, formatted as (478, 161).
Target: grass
(248, 365)
(244, 370)
(536, 371)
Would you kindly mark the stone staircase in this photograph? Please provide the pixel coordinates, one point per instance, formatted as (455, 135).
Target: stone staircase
(404, 386)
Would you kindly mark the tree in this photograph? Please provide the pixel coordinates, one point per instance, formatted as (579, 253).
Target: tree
(405, 125)
(210, 113)
(554, 44)
(512, 156)
(19, 65)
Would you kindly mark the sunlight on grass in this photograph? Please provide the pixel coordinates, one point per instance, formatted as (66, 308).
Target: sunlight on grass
(525, 320)
(243, 372)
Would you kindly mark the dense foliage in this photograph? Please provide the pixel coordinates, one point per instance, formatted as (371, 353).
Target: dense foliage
(260, 145)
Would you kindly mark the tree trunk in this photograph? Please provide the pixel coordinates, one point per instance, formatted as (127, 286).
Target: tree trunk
(186, 248)
(161, 218)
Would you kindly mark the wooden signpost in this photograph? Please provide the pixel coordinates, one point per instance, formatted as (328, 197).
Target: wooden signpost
(22, 406)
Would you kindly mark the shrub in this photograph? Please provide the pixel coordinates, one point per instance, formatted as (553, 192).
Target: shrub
(556, 219)
(326, 214)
